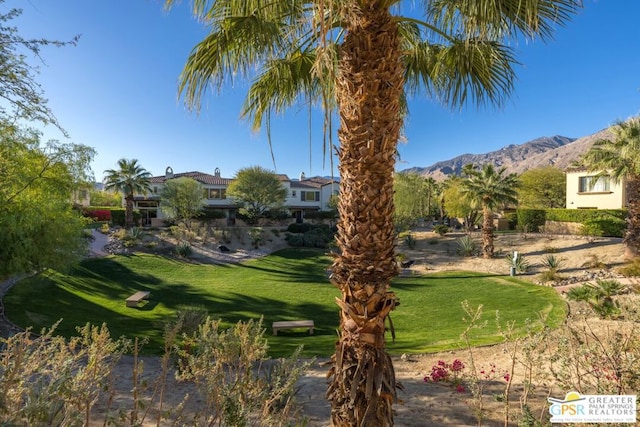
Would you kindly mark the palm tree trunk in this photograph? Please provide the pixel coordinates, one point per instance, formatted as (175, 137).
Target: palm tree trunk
(632, 235)
(128, 211)
(369, 85)
(487, 233)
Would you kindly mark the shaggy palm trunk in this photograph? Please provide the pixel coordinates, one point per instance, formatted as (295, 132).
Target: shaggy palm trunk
(128, 211)
(362, 384)
(487, 233)
(632, 236)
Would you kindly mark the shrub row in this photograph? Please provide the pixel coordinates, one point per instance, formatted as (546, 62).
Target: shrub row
(595, 222)
(310, 235)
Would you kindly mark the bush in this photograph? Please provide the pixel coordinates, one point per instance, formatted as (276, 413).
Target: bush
(631, 269)
(211, 213)
(184, 249)
(410, 241)
(582, 215)
(604, 227)
(97, 214)
(315, 236)
(118, 216)
(467, 246)
(440, 229)
(302, 227)
(530, 220)
(599, 296)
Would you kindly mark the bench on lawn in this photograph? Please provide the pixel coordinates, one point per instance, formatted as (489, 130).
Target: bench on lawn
(291, 324)
(134, 299)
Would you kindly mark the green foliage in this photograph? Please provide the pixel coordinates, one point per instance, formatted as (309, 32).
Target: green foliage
(211, 213)
(520, 263)
(467, 246)
(310, 235)
(181, 199)
(104, 198)
(607, 227)
(552, 262)
(184, 249)
(599, 296)
(410, 241)
(118, 216)
(582, 215)
(40, 228)
(631, 268)
(542, 188)
(258, 190)
(457, 205)
(129, 179)
(135, 233)
(441, 229)
(256, 236)
(414, 197)
(530, 220)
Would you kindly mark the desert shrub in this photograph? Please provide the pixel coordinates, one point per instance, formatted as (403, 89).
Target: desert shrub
(229, 368)
(299, 227)
(410, 241)
(432, 241)
(549, 276)
(550, 249)
(255, 234)
(135, 233)
(594, 261)
(631, 268)
(520, 262)
(604, 227)
(184, 249)
(104, 228)
(530, 220)
(440, 229)
(467, 246)
(599, 296)
(552, 262)
(316, 236)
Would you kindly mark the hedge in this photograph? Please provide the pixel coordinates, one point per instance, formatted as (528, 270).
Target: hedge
(583, 215)
(530, 219)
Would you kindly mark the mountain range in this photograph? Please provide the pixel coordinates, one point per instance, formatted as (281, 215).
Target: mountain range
(558, 151)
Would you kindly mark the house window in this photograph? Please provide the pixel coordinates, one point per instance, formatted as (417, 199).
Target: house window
(217, 193)
(594, 184)
(310, 196)
(293, 193)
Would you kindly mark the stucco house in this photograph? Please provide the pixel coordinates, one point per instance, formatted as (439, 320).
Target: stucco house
(588, 190)
(303, 195)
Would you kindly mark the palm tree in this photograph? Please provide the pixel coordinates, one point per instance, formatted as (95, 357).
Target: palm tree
(490, 189)
(363, 58)
(130, 178)
(619, 158)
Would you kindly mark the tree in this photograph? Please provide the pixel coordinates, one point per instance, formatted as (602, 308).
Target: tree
(359, 58)
(458, 205)
(182, 199)
(22, 95)
(40, 229)
(490, 189)
(412, 197)
(104, 198)
(618, 157)
(129, 179)
(258, 189)
(542, 188)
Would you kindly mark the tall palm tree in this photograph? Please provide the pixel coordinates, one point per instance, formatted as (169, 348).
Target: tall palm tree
(619, 158)
(130, 178)
(363, 58)
(490, 189)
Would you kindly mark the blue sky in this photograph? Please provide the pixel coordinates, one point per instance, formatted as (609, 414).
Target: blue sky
(116, 91)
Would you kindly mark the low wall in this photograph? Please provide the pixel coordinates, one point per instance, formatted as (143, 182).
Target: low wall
(557, 227)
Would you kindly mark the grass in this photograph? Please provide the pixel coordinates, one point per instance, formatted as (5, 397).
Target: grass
(287, 285)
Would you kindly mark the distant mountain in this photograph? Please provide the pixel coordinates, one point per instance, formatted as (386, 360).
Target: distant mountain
(559, 151)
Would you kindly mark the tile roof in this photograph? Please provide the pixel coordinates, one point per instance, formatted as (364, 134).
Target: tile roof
(201, 177)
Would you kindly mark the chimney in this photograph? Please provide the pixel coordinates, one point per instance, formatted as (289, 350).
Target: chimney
(302, 176)
(168, 173)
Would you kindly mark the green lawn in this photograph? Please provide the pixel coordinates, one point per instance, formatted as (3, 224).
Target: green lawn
(289, 284)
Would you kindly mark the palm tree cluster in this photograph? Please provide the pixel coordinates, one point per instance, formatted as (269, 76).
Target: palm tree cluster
(363, 58)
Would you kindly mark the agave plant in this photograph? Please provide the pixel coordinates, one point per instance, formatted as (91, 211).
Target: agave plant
(467, 246)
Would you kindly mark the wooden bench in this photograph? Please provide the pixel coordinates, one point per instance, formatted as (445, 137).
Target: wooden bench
(291, 324)
(134, 299)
